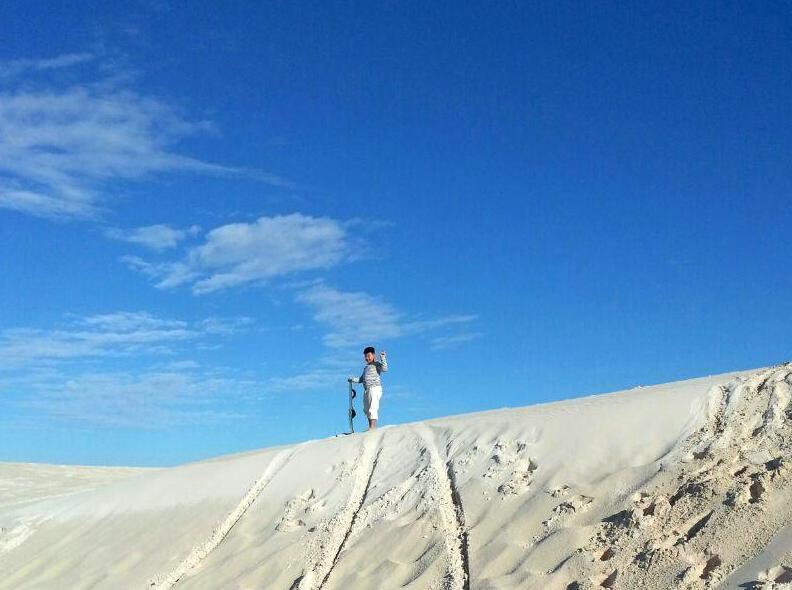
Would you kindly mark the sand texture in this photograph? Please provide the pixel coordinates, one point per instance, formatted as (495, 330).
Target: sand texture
(683, 485)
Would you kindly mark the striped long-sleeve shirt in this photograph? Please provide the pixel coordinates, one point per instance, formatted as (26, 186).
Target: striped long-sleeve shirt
(370, 376)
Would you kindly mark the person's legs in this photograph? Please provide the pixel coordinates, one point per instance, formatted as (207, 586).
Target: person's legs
(367, 404)
(372, 404)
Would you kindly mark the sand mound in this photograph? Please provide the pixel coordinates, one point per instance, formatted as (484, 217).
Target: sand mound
(683, 485)
(714, 503)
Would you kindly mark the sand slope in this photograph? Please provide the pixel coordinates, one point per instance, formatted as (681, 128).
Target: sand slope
(683, 485)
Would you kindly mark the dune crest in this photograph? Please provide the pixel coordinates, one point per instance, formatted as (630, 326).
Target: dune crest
(681, 485)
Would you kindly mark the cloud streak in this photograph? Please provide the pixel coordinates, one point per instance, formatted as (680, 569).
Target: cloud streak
(239, 254)
(59, 149)
(19, 66)
(355, 316)
(154, 397)
(65, 151)
(155, 237)
(453, 340)
(82, 372)
(108, 335)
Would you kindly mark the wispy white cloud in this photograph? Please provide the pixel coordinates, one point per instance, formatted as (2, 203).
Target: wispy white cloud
(453, 340)
(355, 316)
(181, 365)
(351, 316)
(15, 67)
(65, 151)
(156, 237)
(145, 376)
(309, 380)
(242, 253)
(327, 372)
(107, 335)
(153, 397)
(13, 197)
(224, 326)
(165, 275)
(58, 149)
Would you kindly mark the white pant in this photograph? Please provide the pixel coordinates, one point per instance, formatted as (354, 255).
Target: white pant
(371, 400)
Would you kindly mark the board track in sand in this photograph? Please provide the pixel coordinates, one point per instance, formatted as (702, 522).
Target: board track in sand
(327, 546)
(451, 513)
(168, 581)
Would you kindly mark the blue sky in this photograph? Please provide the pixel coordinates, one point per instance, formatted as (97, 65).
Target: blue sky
(207, 212)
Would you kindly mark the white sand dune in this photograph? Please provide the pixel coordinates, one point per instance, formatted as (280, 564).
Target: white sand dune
(683, 485)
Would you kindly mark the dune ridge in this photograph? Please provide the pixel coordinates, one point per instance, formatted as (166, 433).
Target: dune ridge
(681, 485)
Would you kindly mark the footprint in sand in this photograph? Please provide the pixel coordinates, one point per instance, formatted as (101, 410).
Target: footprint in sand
(710, 566)
(520, 478)
(509, 460)
(608, 554)
(559, 491)
(695, 528)
(467, 458)
(297, 507)
(566, 510)
(343, 470)
(610, 580)
(647, 506)
(702, 572)
(504, 455)
(751, 487)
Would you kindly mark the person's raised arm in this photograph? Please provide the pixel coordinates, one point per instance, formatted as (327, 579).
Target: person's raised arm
(383, 363)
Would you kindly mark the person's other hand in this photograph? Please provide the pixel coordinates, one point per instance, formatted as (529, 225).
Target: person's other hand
(350, 379)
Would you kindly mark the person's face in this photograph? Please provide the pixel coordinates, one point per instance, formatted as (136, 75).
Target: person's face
(369, 356)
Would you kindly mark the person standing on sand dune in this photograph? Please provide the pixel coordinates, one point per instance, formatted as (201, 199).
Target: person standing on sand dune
(370, 378)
